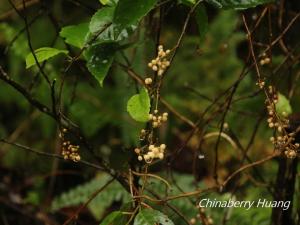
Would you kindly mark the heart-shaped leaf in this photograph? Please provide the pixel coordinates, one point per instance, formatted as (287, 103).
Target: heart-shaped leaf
(75, 34)
(283, 106)
(138, 106)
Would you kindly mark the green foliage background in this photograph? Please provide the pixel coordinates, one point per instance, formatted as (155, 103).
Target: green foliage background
(96, 92)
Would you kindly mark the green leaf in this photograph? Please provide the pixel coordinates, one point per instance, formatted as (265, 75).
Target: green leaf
(109, 2)
(112, 219)
(187, 2)
(102, 25)
(283, 107)
(99, 59)
(237, 4)
(151, 217)
(138, 106)
(101, 18)
(202, 20)
(42, 54)
(129, 12)
(75, 34)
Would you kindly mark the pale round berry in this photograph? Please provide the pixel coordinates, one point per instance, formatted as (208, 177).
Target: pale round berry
(151, 154)
(148, 81)
(160, 155)
(146, 157)
(160, 72)
(267, 60)
(192, 221)
(155, 150)
(77, 158)
(155, 124)
(151, 147)
(162, 146)
(150, 117)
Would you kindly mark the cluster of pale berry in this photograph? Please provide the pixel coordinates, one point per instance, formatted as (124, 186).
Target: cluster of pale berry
(157, 119)
(160, 63)
(261, 84)
(283, 141)
(69, 151)
(153, 152)
(265, 60)
(150, 152)
(207, 219)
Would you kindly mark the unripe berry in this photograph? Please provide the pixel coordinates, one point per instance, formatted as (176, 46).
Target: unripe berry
(137, 150)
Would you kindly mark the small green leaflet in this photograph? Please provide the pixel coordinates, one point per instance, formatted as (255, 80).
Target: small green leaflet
(138, 106)
(283, 107)
(237, 4)
(75, 34)
(129, 12)
(112, 219)
(43, 54)
(99, 59)
(151, 217)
